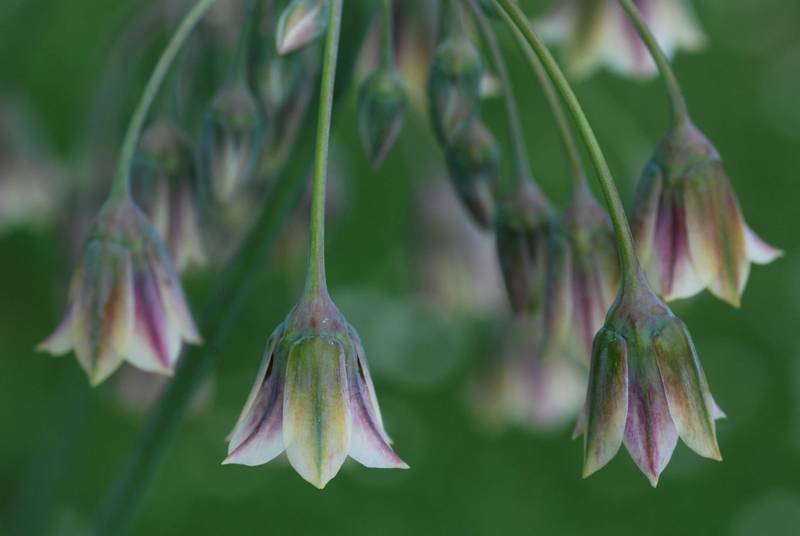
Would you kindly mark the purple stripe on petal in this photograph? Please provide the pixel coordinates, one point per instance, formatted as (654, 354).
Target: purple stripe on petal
(150, 348)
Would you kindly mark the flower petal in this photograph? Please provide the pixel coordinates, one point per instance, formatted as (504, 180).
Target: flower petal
(606, 401)
(688, 397)
(758, 251)
(155, 346)
(316, 414)
(172, 297)
(60, 341)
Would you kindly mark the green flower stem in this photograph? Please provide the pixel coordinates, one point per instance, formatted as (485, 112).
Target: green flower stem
(515, 18)
(120, 189)
(522, 166)
(680, 110)
(248, 34)
(388, 33)
(316, 257)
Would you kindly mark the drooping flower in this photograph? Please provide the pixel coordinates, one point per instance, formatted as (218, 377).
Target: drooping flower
(382, 107)
(598, 33)
(473, 161)
(646, 388)
(231, 141)
(313, 398)
(125, 301)
(690, 230)
(593, 278)
(300, 23)
(166, 186)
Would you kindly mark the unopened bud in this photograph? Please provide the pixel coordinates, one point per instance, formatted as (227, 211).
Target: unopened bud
(382, 108)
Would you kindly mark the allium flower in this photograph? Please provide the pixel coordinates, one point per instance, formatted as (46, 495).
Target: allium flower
(597, 33)
(126, 301)
(593, 278)
(382, 107)
(314, 399)
(167, 189)
(301, 22)
(689, 226)
(473, 161)
(646, 388)
(454, 89)
(232, 135)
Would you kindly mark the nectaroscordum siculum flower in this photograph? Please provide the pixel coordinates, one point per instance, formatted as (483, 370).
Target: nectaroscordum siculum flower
(125, 301)
(646, 387)
(313, 396)
(690, 229)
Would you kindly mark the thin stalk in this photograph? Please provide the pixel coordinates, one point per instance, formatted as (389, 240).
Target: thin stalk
(120, 189)
(680, 110)
(522, 166)
(388, 33)
(316, 258)
(253, 11)
(515, 18)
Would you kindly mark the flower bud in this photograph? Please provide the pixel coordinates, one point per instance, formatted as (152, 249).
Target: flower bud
(646, 388)
(166, 186)
(454, 88)
(125, 300)
(301, 22)
(232, 135)
(313, 398)
(382, 108)
(474, 165)
(689, 227)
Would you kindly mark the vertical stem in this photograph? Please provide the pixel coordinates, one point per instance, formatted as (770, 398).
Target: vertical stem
(680, 110)
(316, 258)
(120, 188)
(249, 31)
(522, 166)
(514, 16)
(388, 33)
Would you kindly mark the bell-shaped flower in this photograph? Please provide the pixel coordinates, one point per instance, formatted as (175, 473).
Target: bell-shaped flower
(473, 161)
(690, 231)
(126, 302)
(231, 141)
(646, 388)
(382, 107)
(598, 33)
(166, 185)
(593, 277)
(300, 23)
(454, 88)
(314, 399)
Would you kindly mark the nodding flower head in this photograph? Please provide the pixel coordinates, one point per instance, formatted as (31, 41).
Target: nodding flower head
(690, 230)
(646, 388)
(232, 137)
(125, 301)
(454, 88)
(382, 107)
(314, 399)
(300, 23)
(166, 186)
(598, 33)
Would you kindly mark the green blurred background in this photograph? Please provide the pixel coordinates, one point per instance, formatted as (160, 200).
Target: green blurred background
(61, 444)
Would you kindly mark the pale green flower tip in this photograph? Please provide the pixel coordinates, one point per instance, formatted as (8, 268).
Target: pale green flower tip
(302, 22)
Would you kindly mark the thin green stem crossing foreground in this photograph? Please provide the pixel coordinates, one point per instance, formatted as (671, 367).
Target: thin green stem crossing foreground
(121, 186)
(680, 110)
(316, 257)
(629, 262)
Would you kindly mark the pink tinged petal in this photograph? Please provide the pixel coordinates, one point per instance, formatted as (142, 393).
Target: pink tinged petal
(258, 436)
(691, 406)
(648, 202)
(650, 435)
(316, 414)
(60, 341)
(302, 22)
(369, 445)
(717, 241)
(758, 251)
(174, 301)
(606, 401)
(155, 346)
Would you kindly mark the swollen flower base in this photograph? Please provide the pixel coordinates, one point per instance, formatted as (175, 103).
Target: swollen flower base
(314, 399)
(126, 301)
(646, 388)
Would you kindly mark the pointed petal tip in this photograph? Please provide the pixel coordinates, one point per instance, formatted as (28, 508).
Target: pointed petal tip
(653, 480)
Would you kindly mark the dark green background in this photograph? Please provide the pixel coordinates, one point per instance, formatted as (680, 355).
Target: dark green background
(61, 444)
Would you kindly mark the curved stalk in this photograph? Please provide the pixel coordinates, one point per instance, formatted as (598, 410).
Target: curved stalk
(388, 33)
(316, 258)
(120, 189)
(680, 110)
(515, 18)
